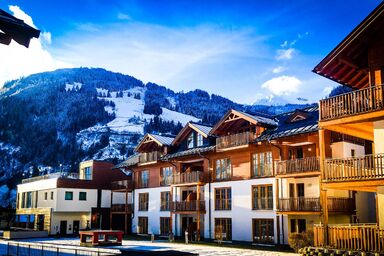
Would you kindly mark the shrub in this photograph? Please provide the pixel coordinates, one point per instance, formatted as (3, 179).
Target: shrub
(300, 240)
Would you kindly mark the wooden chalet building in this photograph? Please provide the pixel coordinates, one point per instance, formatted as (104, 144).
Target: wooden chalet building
(358, 63)
(249, 178)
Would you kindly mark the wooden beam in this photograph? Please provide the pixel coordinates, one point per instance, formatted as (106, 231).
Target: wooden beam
(353, 130)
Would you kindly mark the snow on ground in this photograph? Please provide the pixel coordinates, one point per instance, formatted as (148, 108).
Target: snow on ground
(170, 115)
(75, 86)
(10, 149)
(158, 246)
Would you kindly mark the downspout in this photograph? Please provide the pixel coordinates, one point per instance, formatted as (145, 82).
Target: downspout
(209, 196)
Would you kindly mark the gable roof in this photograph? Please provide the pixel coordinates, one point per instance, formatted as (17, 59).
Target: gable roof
(234, 115)
(160, 140)
(200, 128)
(130, 161)
(287, 128)
(348, 61)
(16, 29)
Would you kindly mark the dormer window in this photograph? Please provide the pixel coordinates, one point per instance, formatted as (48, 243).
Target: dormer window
(200, 140)
(190, 141)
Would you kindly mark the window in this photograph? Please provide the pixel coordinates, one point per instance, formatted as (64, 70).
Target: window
(299, 153)
(52, 195)
(86, 173)
(298, 225)
(200, 140)
(223, 229)
(262, 197)
(165, 226)
(143, 225)
(165, 198)
(223, 169)
(28, 200)
(166, 176)
(82, 196)
(191, 141)
(143, 201)
(262, 164)
(223, 199)
(263, 231)
(353, 153)
(45, 195)
(68, 195)
(144, 179)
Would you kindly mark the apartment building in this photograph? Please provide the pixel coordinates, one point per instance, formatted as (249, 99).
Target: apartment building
(66, 203)
(249, 178)
(357, 62)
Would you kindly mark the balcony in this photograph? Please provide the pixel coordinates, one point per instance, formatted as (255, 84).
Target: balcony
(184, 178)
(235, 140)
(121, 185)
(353, 103)
(188, 206)
(297, 166)
(61, 175)
(368, 167)
(303, 204)
(125, 208)
(356, 237)
(150, 157)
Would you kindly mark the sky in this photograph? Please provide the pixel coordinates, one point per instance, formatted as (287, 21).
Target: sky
(247, 51)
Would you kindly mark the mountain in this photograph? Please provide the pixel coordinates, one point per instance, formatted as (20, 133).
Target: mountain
(56, 119)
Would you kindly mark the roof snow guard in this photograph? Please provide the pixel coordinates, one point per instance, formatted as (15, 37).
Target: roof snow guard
(188, 152)
(289, 126)
(16, 29)
(348, 62)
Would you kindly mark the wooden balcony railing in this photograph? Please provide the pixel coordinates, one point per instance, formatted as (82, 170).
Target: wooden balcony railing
(304, 204)
(188, 206)
(356, 102)
(223, 204)
(368, 167)
(364, 237)
(299, 204)
(149, 157)
(235, 140)
(341, 204)
(121, 207)
(294, 166)
(122, 185)
(187, 177)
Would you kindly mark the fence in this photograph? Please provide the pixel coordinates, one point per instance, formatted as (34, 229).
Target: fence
(38, 249)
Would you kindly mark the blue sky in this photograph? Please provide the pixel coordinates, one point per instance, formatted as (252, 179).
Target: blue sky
(244, 50)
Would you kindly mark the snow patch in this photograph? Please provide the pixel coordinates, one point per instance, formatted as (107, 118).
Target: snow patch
(73, 87)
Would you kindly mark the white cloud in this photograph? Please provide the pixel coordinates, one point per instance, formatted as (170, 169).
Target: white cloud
(18, 60)
(285, 54)
(327, 90)
(282, 85)
(278, 69)
(123, 16)
(284, 44)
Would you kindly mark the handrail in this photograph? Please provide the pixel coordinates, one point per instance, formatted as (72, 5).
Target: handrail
(187, 177)
(185, 206)
(302, 165)
(235, 140)
(356, 102)
(365, 167)
(121, 184)
(149, 157)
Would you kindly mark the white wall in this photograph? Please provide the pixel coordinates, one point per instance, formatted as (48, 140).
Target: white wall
(83, 217)
(311, 186)
(153, 212)
(241, 213)
(105, 198)
(37, 185)
(378, 133)
(343, 149)
(76, 205)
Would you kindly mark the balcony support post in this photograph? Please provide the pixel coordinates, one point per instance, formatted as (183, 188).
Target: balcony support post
(170, 209)
(324, 207)
(198, 212)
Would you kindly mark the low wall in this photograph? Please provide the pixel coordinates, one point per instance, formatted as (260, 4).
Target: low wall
(24, 234)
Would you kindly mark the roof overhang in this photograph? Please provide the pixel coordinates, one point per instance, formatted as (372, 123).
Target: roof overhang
(347, 64)
(16, 29)
(185, 132)
(147, 142)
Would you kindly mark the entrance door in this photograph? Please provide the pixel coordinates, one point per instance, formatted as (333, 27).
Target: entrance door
(76, 227)
(300, 195)
(63, 227)
(185, 223)
(40, 222)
